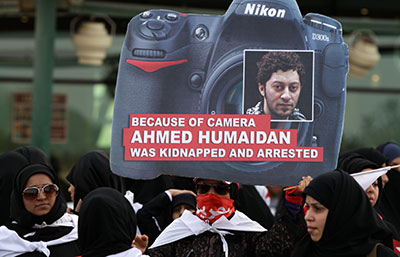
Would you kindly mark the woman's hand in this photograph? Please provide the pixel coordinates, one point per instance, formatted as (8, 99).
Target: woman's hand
(141, 242)
(304, 182)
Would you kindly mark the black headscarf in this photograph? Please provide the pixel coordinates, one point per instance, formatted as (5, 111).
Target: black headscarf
(91, 171)
(389, 205)
(146, 189)
(34, 155)
(24, 219)
(352, 226)
(390, 150)
(10, 164)
(248, 200)
(367, 152)
(354, 163)
(107, 223)
(184, 198)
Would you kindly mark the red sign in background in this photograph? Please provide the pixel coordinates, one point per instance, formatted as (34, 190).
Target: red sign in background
(22, 118)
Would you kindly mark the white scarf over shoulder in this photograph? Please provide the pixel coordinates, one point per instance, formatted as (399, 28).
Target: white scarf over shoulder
(189, 224)
(12, 245)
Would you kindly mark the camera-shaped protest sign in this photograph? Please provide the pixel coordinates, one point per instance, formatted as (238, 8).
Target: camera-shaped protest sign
(255, 96)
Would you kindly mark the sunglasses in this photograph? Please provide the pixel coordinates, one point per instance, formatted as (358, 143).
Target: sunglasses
(221, 189)
(31, 193)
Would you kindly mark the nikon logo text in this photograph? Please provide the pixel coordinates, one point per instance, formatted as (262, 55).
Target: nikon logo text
(262, 10)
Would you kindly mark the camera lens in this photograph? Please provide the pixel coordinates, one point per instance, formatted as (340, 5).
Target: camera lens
(223, 89)
(232, 102)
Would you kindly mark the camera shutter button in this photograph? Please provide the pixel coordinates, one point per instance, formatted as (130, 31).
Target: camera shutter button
(146, 15)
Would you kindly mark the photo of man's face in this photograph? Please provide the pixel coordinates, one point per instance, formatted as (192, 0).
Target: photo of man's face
(279, 83)
(281, 94)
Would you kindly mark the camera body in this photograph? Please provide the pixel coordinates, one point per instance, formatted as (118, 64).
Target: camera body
(176, 63)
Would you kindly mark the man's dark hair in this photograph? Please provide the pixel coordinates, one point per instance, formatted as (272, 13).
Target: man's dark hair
(277, 60)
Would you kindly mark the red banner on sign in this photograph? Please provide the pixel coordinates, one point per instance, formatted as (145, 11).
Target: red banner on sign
(188, 137)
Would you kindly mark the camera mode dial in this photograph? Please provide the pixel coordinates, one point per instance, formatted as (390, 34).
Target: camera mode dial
(155, 29)
(157, 24)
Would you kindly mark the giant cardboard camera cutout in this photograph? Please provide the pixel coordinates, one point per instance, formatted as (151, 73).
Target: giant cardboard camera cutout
(177, 67)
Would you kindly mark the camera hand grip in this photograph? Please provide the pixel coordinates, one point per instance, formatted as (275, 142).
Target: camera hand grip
(334, 69)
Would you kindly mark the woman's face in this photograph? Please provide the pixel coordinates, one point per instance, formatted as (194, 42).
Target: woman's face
(373, 192)
(395, 161)
(71, 190)
(179, 209)
(315, 218)
(43, 203)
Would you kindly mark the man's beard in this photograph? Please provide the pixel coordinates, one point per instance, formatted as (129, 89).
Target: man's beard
(275, 115)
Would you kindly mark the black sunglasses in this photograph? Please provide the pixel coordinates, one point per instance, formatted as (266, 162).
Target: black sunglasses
(221, 189)
(31, 193)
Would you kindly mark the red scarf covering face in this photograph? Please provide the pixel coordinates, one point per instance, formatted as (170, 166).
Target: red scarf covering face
(211, 207)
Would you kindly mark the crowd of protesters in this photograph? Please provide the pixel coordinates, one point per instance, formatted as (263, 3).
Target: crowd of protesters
(329, 215)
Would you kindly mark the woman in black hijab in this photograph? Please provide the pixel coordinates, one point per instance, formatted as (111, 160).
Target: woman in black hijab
(351, 227)
(107, 225)
(38, 214)
(370, 154)
(355, 163)
(10, 163)
(389, 205)
(91, 171)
